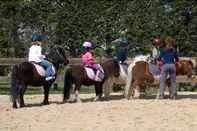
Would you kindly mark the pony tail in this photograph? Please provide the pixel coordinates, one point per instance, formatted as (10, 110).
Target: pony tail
(128, 87)
(67, 84)
(14, 90)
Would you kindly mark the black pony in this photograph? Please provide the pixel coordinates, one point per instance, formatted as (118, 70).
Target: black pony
(75, 76)
(26, 74)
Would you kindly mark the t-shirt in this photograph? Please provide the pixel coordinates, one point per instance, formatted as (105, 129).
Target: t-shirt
(122, 54)
(155, 52)
(168, 55)
(87, 58)
(35, 54)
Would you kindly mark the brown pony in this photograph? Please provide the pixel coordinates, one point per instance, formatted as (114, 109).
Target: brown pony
(185, 67)
(141, 76)
(75, 76)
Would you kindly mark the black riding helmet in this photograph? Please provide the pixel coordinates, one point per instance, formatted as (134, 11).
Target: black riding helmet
(36, 37)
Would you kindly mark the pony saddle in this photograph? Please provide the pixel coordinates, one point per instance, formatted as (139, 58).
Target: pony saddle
(95, 74)
(124, 66)
(42, 70)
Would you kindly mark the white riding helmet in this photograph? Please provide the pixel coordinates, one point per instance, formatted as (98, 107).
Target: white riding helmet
(87, 44)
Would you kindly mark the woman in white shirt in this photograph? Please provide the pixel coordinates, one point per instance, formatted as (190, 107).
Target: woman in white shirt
(35, 55)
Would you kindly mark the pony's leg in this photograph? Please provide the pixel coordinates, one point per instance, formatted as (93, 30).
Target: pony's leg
(72, 94)
(136, 89)
(22, 91)
(128, 90)
(109, 85)
(99, 91)
(106, 88)
(136, 92)
(128, 87)
(77, 96)
(46, 94)
(76, 87)
(157, 95)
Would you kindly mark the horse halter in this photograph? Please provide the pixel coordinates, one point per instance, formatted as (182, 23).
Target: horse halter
(58, 53)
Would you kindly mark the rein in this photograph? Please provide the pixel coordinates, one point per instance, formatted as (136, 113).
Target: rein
(146, 69)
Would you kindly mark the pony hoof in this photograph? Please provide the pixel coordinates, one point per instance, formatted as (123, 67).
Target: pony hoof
(15, 107)
(136, 97)
(106, 98)
(45, 103)
(127, 98)
(79, 101)
(21, 106)
(96, 99)
(65, 101)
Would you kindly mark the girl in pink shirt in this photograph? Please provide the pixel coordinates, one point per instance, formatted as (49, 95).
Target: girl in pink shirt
(87, 56)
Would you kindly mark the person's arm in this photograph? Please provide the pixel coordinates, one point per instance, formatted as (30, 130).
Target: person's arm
(39, 52)
(89, 58)
(176, 55)
(160, 55)
(154, 53)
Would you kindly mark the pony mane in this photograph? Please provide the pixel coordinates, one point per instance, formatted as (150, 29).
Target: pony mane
(141, 58)
(190, 59)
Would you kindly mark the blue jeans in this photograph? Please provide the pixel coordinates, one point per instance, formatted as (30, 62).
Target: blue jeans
(171, 70)
(48, 65)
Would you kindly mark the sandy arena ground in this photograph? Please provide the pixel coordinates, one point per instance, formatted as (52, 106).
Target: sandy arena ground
(116, 114)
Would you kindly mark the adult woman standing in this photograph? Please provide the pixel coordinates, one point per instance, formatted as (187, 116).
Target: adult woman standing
(168, 56)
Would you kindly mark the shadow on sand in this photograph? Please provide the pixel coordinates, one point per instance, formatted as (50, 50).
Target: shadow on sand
(115, 98)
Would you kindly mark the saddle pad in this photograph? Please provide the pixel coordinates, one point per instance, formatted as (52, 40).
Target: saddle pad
(92, 75)
(123, 71)
(124, 67)
(41, 71)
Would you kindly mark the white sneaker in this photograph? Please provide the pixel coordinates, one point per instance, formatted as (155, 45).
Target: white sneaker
(49, 78)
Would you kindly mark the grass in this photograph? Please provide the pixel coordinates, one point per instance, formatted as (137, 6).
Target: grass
(5, 89)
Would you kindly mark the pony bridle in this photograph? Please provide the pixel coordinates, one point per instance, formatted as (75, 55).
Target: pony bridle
(59, 54)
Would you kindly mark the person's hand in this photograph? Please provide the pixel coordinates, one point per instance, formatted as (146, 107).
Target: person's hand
(159, 63)
(178, 64)
(43, 56)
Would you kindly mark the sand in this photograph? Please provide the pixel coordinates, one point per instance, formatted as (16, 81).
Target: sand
(116, 114)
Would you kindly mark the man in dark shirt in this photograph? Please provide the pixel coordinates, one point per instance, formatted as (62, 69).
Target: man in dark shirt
(168, 55)
(122, 52)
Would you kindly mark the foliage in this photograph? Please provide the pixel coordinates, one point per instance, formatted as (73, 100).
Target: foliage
(70, 22)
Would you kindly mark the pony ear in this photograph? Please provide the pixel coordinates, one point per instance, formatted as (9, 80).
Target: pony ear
(191, 63)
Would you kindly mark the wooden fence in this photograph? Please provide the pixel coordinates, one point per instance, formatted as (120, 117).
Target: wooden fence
(12, 61)
(72, 61)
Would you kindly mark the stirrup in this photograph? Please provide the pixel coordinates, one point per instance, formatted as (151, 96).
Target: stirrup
(49, 78)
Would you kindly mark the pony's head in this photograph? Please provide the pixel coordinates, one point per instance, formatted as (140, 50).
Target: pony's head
(57, 55)
(111, 68)
(186, 66)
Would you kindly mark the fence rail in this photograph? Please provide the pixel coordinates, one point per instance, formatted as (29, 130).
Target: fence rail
(72, 61)
(13, 61)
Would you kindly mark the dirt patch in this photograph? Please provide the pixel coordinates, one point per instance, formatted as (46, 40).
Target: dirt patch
(116, 114)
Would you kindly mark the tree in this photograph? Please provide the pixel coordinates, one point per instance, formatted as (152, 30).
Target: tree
(71, 22)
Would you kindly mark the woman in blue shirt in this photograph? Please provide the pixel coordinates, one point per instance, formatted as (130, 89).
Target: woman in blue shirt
(168, 55)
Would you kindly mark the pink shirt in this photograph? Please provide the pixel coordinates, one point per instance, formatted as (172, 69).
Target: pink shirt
(87, 58)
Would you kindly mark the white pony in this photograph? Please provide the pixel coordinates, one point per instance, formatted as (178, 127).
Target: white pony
(125, 77)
